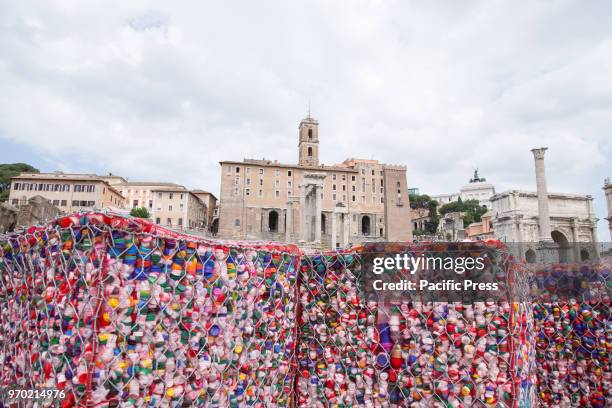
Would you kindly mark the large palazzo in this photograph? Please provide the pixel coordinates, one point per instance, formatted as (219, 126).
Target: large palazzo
(309, 203)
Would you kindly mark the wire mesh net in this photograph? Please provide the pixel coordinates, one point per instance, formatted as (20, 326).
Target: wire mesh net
(358, 351)
(572, 315)
(115, 311)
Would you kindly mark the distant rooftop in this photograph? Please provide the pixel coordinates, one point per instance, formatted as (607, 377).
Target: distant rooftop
(152, 183)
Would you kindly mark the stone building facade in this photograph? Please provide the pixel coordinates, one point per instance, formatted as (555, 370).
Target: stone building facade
(178, 208)
(331, 206)
(68, 192)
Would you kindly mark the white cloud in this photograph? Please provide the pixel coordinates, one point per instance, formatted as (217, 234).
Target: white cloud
(155, 90)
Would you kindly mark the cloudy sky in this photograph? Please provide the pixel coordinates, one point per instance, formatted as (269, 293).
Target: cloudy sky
(160, 90)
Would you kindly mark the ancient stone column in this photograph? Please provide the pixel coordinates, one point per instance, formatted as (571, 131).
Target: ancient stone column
(333, 230)
(608, 190)
(303, 212)
(543, 213)
(346, 230)
(289, 223)
(318, 206)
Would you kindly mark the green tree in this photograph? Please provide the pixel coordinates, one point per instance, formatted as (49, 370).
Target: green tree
(9, 170)
(140, 212)
(471, 209)
(423, 201)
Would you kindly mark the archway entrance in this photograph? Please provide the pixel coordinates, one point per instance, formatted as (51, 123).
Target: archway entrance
(564, 246)
(365, 225)
(273, 221)
(530, 256)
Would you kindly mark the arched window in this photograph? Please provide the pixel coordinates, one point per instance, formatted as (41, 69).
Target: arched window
(530, 256)
(310, 134)
(323, 223)
(365, 225)
(310, 152)
(273, 221)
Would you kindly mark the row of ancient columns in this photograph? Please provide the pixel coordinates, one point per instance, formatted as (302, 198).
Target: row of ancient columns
(311, 208)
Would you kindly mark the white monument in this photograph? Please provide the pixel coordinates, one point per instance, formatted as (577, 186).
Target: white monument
(542, 225)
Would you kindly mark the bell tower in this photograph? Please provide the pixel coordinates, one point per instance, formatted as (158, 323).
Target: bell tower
(309, 142)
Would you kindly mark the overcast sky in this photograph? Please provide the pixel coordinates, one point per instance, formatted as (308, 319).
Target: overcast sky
(159, 90)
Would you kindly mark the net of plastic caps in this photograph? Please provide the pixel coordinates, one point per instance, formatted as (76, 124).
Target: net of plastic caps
(358, 352)
(116, 311)
(572, 313)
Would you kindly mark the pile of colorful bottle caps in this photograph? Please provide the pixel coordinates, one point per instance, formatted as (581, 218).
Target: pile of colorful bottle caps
(573, 316)
(114, 310)
(358, 351)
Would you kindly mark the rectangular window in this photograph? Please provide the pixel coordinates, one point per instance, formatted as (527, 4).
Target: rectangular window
(237, 181)
(229, 169)
(181, 197)
(353, 188)
(236, 191)
(248, 170)
(56, 202)
(352, 178)
(15, 201)
(382, 190)
(363, 200)
(343, 197)
(75, 203)
(83, 203)
(288, 173)
(159, 195)
(135, 204)
(363, 185)
(334, 196)
(150, 204)
(157, 220)
(169, 221)
(382, 200)
(261, 193)
(353, 198)
(64, 203)
(277, 193)
(334, 176)
(170, 196)
(180, 222)
(16, 186)
(289, 184)
(344, 187)
(372, 172)
(247, 192)
(169, 207)
(373, 185)
(261, 182)
(333, 187)
(277, 183)
(248, 181)
(277, 173)
(344, 177)
(261, 171)
(91, 203)
(237, 170)
(181, 206)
